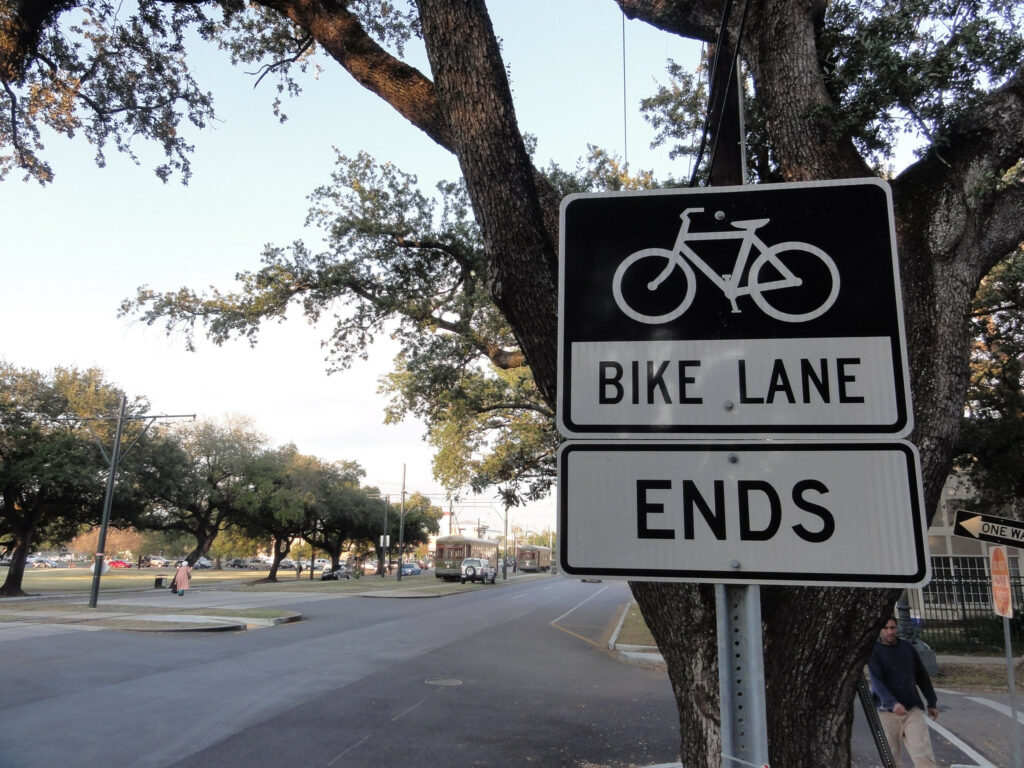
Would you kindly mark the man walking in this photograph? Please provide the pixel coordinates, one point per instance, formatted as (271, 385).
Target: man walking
(896, 675)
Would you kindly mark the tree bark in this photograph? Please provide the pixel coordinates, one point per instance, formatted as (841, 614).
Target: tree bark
(815, 639)
(476, 101)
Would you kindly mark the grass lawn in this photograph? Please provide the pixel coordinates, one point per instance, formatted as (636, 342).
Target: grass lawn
(54, 581)
(58, 581)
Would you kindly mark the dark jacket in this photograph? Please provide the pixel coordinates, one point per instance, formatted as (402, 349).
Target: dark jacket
(896, 673)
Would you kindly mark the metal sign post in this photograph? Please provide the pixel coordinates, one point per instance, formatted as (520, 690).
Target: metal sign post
(1002, 602)
(741, 676)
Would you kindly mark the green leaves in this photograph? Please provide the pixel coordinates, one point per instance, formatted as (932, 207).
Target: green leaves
(992, 437)
(914, 66)
(107, 76)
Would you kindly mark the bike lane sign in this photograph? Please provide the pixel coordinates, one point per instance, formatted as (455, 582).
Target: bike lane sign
(740, 312)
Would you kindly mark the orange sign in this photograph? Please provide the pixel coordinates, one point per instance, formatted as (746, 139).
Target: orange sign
(999, 567)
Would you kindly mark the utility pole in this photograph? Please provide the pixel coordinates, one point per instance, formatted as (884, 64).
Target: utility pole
(114, 459)
(384, 539)
(401, 527)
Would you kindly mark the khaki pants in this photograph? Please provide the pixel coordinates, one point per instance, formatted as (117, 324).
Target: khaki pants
(910, 731)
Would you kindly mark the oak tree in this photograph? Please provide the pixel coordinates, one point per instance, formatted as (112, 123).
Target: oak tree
(833, 85)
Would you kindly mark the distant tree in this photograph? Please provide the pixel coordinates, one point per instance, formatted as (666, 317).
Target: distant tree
(422, 520)
(284, 489)
(340, 510)
(204, 480)
(992, 438)
(52, 472)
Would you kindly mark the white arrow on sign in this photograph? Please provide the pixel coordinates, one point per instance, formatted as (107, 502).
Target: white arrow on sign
(973, 525)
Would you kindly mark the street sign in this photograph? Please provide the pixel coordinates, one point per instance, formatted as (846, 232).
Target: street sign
(771, 512)
(999, 568)
(751, 311)
(996, 530)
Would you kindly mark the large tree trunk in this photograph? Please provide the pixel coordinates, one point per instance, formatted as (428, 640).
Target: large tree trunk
(816, 640)
(475, 98)
(16, 570)
(23, 530)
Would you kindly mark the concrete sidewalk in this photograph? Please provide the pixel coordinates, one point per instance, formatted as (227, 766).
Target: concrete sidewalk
(154, 610)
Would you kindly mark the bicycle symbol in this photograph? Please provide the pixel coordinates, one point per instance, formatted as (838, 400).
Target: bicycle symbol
(774, 269)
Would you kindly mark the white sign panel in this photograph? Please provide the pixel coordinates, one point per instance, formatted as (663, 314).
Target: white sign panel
(844, 514)
(732, 312)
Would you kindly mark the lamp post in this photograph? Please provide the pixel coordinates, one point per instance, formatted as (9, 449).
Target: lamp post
(401, 527)
(384, 541)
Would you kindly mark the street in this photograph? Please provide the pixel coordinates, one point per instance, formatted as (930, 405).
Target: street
(481, 678)
(513, 674)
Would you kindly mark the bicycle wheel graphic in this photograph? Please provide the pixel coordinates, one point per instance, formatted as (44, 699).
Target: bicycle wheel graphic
(794, 282)
(654, 268)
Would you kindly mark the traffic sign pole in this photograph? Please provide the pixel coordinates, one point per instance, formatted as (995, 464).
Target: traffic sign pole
(1002, 601)
(742, 702)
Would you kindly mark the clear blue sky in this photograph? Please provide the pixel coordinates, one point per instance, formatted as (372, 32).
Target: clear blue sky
(74, 249)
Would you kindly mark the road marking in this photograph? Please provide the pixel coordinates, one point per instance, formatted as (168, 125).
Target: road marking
(519, 597)
(407, 711)
(349, 749)
(1001, 708)
(579, 604)
(569, 631)
(952, 738)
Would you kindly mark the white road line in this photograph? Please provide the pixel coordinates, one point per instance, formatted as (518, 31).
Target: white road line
(407, 711)
(959, 744)
(602, 589)
(349, 749)
(1001, 708)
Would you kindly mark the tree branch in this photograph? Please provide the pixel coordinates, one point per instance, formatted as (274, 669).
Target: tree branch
(694, 19)
(304, 45)
(339, 32)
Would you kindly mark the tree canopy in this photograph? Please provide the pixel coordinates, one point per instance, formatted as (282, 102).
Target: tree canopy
(52, 468)
(832, 85)
(992, 441)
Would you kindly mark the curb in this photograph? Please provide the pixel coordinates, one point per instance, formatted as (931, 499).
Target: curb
(637, 654)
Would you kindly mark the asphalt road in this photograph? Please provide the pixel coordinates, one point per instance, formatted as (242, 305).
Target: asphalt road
(516, 675)
(483, 678)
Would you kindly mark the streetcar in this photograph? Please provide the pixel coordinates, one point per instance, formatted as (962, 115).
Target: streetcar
(531, 557)
(452, 550)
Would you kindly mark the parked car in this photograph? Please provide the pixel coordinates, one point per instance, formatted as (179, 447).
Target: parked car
(203, 562)
(478, 569)
(119, 564)
(155, 561)
(411, 569)
(341, 572)
(44, 563)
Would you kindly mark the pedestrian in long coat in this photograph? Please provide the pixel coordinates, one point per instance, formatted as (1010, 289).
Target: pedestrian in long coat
(181, 577)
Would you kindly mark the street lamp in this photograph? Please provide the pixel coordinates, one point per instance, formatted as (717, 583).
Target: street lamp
(385, 540)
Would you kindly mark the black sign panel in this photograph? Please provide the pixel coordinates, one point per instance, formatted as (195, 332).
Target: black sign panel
(995, 530)
(757, 310)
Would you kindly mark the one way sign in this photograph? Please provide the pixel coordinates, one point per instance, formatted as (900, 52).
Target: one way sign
(997, 530)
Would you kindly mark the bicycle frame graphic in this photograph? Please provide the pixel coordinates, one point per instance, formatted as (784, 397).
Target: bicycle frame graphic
(784, 259)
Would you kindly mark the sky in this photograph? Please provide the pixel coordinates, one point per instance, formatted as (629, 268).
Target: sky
(72, 251)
